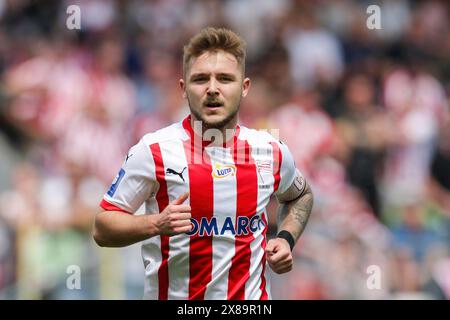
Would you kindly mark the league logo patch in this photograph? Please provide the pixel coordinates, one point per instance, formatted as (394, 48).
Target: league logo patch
(116, 182)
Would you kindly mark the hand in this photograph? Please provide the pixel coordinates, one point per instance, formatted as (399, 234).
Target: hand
(279, 255)
(175, 218)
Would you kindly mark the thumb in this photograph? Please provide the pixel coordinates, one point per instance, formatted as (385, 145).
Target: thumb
(270, 248)
(181, 198)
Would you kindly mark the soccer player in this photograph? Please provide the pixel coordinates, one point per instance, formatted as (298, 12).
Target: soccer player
(205, 183)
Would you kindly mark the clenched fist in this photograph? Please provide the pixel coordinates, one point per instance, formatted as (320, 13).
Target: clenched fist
(279, 255)
(175, 218)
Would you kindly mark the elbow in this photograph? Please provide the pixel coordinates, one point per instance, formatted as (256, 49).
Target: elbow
(99, 240)
(308, 194)
(98, 236)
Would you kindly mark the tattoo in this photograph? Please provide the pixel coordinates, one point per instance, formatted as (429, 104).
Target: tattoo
(293, 215)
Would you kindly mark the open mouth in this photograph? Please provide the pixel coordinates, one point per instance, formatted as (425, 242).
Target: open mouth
(213, 104)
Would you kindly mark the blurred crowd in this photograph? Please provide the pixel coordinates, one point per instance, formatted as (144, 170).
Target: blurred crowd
(364, 112)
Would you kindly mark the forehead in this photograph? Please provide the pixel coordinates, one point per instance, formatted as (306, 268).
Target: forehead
(214, 62)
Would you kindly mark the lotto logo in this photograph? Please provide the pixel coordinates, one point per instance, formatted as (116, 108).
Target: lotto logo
(221, 171)
(243, 226)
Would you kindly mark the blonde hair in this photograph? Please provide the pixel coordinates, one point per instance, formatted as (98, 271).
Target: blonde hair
(213, 39)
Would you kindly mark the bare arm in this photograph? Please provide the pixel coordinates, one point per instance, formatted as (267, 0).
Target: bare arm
(119, 229)
(293, 214)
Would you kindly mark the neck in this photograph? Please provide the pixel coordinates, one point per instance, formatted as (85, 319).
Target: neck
(227, 131)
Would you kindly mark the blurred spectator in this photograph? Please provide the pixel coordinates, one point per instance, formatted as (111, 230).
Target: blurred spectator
(306, 128)
(440, 169)
(416, 103)
(414, 234)
(315, 54)
(365, 131)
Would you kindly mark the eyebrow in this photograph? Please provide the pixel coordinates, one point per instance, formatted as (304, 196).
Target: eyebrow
(203, 74)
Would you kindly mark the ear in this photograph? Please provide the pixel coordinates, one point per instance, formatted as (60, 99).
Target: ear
(245, 86)
(183, 88)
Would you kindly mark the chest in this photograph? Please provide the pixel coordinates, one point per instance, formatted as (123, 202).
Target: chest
(221, 180)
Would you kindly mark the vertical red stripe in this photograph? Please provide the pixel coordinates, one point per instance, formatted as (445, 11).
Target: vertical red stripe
(277, 158)
(264, 295)
(202, 202)
(163, 200)
(247, 197)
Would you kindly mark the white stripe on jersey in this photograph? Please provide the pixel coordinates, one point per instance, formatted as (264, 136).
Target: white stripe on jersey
(151, 254)
(261, 151)
(224, 205)
(178, 262)
(252, 287)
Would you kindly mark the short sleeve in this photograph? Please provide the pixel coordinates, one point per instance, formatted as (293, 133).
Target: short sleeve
(288, 170)
(134, 182)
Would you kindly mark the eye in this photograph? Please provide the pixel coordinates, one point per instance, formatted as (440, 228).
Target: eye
(200, 79)
(225, 79)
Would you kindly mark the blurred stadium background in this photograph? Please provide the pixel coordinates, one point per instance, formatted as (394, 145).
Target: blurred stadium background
(365, 113)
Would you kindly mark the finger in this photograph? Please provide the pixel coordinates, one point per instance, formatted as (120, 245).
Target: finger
(180, 208)
(270, 248)
(272, 260)
(282, 270)
(180, 216)
(179, 230)
(286, 263)
(287, 268)
(276, 260)
(279, 263)
(279, 256)
(181, 198)
(283, 264)
(180, 223)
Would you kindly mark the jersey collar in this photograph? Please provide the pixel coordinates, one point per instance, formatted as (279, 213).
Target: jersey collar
(193, 135)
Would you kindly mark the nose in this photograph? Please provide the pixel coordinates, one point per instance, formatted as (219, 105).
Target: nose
(213, 89)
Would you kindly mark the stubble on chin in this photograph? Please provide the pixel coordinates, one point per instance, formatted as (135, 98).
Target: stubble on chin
(219, 124)
(213, 125)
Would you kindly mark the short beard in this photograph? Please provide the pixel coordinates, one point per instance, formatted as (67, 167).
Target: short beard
(217, 125)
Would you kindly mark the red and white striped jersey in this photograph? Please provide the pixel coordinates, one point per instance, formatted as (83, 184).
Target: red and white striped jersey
(230, 186)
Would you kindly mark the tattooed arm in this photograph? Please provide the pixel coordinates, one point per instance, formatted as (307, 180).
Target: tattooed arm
(295, 208)
(293, 213)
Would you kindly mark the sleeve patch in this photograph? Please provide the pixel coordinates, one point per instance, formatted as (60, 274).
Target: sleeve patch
(300, 183)
(115, 183)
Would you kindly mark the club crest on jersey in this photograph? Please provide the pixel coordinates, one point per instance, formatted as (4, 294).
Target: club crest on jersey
(221, 171)
(264, 166)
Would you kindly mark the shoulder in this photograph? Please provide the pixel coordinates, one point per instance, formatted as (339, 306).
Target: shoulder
(261, 136)
(263, 139)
